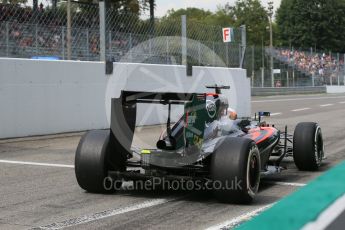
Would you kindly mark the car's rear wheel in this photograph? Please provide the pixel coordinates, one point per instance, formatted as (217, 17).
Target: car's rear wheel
(94, 158)
(308, 149)
(235, 166)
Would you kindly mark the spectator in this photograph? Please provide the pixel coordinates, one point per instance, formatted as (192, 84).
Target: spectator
(278, 84)
(312, 64)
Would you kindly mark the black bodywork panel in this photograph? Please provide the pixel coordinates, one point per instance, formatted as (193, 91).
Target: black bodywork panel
(190, 154)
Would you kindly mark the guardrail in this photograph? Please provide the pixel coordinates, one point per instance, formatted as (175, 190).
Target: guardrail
(267, 91)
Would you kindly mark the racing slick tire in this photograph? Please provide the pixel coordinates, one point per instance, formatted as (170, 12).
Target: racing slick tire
(94, 158)
(308, 149)
(235, 165)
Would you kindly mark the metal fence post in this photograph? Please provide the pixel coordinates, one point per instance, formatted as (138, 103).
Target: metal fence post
(239, 54)
(344, 69)
(199, 53)
(287, 78)
(272, 66)
(214, 55)
(7, 39)
(63, 42)
(184, 39)
(87, 44)
(36, 39)
(102, 30)
(313, 79)
(243, 45)
(263, 64)
(227, 54)
(262, 77)
(109, 40)
(69, 28)
(150, 46)
(338, 68)
(253, 65)
(130, 47)
(167, 51)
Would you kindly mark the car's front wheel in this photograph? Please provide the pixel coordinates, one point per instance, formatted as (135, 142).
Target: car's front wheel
(308, 149)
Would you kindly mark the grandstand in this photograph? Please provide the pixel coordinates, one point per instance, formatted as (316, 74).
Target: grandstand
(326, 69)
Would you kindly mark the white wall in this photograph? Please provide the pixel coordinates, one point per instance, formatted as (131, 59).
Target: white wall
(43, 97)
(335, 89)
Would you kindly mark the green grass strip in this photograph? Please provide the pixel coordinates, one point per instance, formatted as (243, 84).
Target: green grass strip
(304, 205)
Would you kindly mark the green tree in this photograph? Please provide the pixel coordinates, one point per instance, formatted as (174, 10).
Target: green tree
(119, 6)
(222, 17)
(284, 22)
(197, 23)
(312, 23)
(195, 14)
(252, 14)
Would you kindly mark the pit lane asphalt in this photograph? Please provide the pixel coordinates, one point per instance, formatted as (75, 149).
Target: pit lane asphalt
(33, 196)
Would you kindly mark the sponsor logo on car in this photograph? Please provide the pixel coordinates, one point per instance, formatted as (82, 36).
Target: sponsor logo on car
(211, 109)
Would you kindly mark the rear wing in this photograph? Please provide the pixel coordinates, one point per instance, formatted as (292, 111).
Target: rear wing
(124, 111)
(135, 97)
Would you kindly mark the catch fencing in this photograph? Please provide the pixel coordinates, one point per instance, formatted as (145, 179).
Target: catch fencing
(75, 31)
(70, 30)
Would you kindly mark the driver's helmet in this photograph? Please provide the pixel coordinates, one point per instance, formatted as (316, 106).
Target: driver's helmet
(232, 113)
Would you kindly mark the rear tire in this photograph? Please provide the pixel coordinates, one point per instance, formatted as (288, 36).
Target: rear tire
(93, 161)
(308, 149)
(236, 166)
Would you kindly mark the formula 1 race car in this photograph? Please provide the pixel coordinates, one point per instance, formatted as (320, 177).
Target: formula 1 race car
(203, 145)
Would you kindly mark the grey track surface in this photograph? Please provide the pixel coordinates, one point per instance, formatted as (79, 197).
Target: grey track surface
(33, 196)
(338, 223)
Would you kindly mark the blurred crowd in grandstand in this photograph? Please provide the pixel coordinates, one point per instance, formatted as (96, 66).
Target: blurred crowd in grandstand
(47, 15)
(311, 63)
(42, 31)
(25, 32)
(25, 38)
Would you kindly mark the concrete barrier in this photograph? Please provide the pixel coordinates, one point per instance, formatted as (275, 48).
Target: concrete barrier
(335, 89)
(40, 97)
(267, 91)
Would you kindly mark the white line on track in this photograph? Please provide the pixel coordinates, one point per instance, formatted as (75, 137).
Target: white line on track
(105, 214)
(275, 114)
(238, 220)
(342, 102)
(36, 164)
(302, 109)
(327, 216)
(284, 183)
(326, 105)
(296, 99)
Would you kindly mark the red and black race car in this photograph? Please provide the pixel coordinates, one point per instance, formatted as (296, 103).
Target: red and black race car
(205, 145)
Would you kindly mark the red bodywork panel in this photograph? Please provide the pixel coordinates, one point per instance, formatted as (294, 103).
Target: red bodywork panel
(261, 134)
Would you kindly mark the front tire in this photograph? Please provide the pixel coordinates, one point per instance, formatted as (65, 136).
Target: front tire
(93, 160)
(236, 166)
(308, 149)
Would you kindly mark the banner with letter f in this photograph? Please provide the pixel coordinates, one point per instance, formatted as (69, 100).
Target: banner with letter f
(228, 34)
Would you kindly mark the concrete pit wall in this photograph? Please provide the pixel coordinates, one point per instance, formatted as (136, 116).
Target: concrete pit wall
(40, 97)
